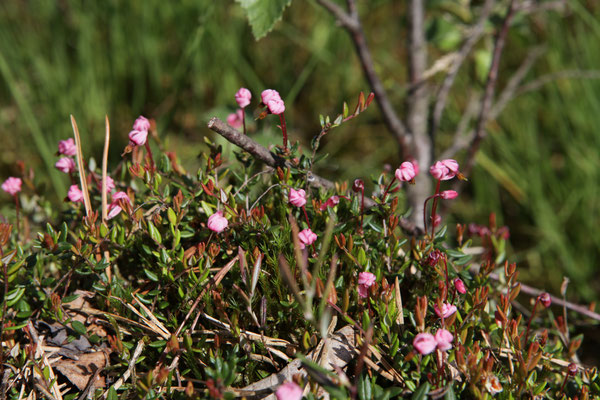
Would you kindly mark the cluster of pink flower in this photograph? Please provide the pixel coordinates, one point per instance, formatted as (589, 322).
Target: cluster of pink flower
(68, 149)
(12, 185)
(426, 343)
(139, 133)
(269, 97)
(297, 198)
(217, 222)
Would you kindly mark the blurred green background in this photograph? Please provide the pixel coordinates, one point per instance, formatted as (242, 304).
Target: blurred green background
(181, 63)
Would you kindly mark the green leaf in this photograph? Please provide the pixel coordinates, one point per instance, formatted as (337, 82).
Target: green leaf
(450, 393)
(421, 392)
(79, 327)
(172, 217)
(263, 14)
(364, 388)
(154, 233)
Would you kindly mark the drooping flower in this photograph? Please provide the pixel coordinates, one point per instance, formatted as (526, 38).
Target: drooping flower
(268, 95)
(545, 299)
(444, 170)
(493, 385)
(449, 194)
(67, 147)
(406, 172)
(443, 338)
(331, 202)
(276, 106)
(75, 194)
(138, 138)
(243, 97)
(307, 237)
(12, 185)
(446, 311)
(424, 343)
(66, 165)
(114, 208)
(289, 391)
(460, 286)
(217, 222)
(235, 120)
(365, 281)
(141, 124)
(297, 197)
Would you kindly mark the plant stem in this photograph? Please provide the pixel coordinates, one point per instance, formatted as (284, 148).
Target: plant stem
(434, 207)
(18, 215)
(306, 217)
(537, 300)
(284, 131)
(388, 188)
(244, 120)
(150, 156)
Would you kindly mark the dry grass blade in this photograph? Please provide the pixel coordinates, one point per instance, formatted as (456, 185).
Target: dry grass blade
(214, 281)
(148, 322)
(398, 299)
(136, 354)
(82, 178)
(104, 169)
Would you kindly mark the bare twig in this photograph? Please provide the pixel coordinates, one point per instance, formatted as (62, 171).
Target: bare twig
(490, 88)
(351, 22)
(531, 291)
(136, 355)
(417, 105)
(473, 37)
(272, 160)
(513, 84)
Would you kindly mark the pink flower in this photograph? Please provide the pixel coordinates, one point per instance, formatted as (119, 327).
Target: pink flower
(307, 237)
(449, 194)
(114, 208)
(424, 343)
(289, 391)
(443, 338)
(493, 385)
(446, 311)
(545, 299)
(268, 95)
(217, 222)
(75, 194)
(460, 286)
(276, 106)
(415, 166)
(67, 147)
(437, 220)
(444, 170)
(406, 172)
(12, 185)
(235, 119)
(138, 138)
(365, 281)
(66, 165)
(110, 184)
(141, 124)
(297, 197)
(243, 97)
(331, 202)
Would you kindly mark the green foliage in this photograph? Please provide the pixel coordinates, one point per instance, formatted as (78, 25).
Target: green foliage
(263, 14)
(155, 287)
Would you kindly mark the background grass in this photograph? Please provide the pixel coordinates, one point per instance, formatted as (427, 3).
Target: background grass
(181, 62)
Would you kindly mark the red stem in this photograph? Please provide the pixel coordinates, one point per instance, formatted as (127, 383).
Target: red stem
(150, 155)
(537, 300)
(388, 188)
(284, 131)
(434, 208)
(362, 208)
(306, 217)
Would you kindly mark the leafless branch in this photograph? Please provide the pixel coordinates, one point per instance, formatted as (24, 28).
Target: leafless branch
(531, 291)
(473, 37)
(350, 21)
(490, 88)
(417, 104)
(513, 84)
(263, 154)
